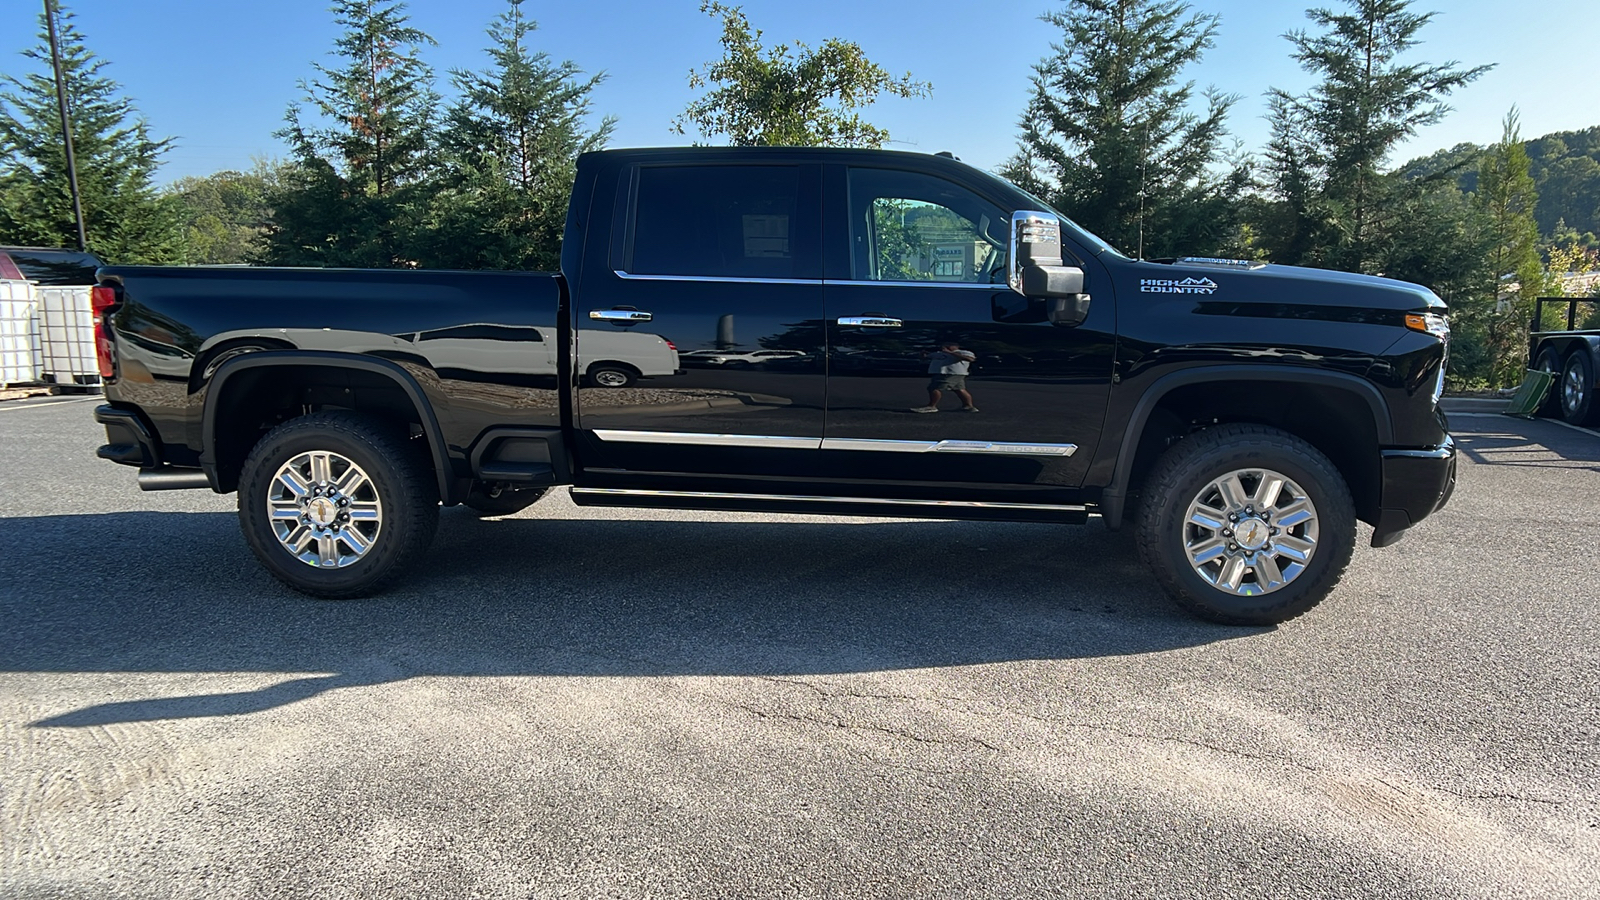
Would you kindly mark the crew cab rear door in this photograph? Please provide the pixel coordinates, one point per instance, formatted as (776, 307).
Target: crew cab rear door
(717, 254)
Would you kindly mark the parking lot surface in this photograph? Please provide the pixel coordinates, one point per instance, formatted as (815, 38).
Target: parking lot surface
(598, 703)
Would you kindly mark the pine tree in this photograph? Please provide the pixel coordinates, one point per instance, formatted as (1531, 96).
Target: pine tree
(1330, 145)
(1506, 198)
(1109, 137)
(509, 152)
(770, 96)
(127, 221)
(362, 151)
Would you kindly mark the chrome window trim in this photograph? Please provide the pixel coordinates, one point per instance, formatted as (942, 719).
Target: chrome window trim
(964, 285)
(713, 440)
(730, 279)
(782, 442)
(806, 498)
(720, 279)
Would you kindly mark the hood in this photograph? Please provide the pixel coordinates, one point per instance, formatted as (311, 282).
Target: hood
(1238, 282)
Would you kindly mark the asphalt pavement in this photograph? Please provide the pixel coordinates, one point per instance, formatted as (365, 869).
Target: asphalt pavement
(609, 703)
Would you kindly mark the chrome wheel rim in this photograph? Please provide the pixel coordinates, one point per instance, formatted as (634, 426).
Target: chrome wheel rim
(610, 379)
(1250, 532)
(325, 511)
(1572, 387)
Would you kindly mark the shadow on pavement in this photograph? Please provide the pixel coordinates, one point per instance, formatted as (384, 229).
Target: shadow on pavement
(1507, 441)
(179, 592)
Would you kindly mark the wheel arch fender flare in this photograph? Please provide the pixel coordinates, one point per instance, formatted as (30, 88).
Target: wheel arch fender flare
(288, 358)
(1114, 497)
(607, 363)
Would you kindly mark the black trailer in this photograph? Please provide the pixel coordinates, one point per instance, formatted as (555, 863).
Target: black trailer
(1571, 355)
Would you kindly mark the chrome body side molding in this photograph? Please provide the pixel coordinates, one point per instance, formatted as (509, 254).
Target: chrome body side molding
(805, 443)
(886, 446)
(773, 442)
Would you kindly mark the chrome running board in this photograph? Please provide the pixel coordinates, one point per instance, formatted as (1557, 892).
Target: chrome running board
(825, 505)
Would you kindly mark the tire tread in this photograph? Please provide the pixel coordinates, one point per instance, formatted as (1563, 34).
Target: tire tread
(1245, 443)
(417, 489)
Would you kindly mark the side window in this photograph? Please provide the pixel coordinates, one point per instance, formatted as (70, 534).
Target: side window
(906, 226)
(722, 221)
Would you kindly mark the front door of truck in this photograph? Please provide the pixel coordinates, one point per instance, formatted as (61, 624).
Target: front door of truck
(939, 372)
(719, 265)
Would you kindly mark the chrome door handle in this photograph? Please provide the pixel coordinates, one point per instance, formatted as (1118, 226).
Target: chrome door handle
(870, 322)
(620, 315)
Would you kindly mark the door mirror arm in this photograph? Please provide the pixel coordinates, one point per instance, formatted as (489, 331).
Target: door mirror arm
(1034, 268)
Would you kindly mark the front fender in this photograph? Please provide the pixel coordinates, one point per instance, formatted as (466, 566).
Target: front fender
(1119, 455)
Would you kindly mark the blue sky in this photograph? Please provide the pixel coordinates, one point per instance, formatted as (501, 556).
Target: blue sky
(218, 74)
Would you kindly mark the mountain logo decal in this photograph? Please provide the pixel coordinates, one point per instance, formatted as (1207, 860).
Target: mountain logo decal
(1177, 286)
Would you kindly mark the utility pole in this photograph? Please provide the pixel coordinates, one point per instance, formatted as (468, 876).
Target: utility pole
(66, 122)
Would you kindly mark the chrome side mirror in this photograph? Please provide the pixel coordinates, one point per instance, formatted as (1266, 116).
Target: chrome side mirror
(1036, 271)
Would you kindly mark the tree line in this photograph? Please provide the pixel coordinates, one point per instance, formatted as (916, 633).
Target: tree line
(384, 171)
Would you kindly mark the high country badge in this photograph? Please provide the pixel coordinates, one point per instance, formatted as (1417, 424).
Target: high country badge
(1175, 286)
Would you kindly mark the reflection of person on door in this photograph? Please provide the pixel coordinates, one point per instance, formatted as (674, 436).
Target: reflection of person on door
(948, 368)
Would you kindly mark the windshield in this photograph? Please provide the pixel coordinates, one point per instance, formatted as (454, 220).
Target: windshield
(1078, 231)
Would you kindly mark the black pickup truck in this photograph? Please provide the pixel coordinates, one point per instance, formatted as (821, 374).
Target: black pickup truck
(846, 332)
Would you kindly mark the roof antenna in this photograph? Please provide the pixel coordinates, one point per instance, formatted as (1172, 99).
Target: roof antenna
(1144, 157)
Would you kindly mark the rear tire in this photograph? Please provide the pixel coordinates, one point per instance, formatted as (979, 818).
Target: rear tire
(335, 504)
(1283, 550)
(1576, 386)
(1550, 361)
(505, 503)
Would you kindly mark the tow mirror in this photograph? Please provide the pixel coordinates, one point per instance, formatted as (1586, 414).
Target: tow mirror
(1036, 270)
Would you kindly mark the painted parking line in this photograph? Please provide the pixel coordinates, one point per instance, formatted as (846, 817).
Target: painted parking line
(1467, 415)
(14, 405)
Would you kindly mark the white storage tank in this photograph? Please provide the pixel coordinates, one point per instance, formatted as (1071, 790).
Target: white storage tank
(56, 342)
(66, 335)
(18, 333)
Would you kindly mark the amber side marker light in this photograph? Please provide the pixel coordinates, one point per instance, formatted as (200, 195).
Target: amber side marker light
(1430, 323)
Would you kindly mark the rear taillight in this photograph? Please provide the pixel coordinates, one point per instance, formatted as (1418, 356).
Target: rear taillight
(102, 298)
(671, 346)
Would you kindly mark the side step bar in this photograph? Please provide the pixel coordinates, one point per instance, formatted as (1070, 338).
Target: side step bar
(831, 506)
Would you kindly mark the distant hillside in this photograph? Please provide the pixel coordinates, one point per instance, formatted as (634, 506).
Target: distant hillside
(1566, 168)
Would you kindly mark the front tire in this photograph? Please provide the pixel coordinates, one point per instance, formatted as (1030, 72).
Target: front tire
(1550, 362)
(334, 504)
(611, 377)
(1246, 525)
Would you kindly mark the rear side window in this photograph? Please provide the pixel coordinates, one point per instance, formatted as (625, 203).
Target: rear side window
(723, 221)
(54, 267)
